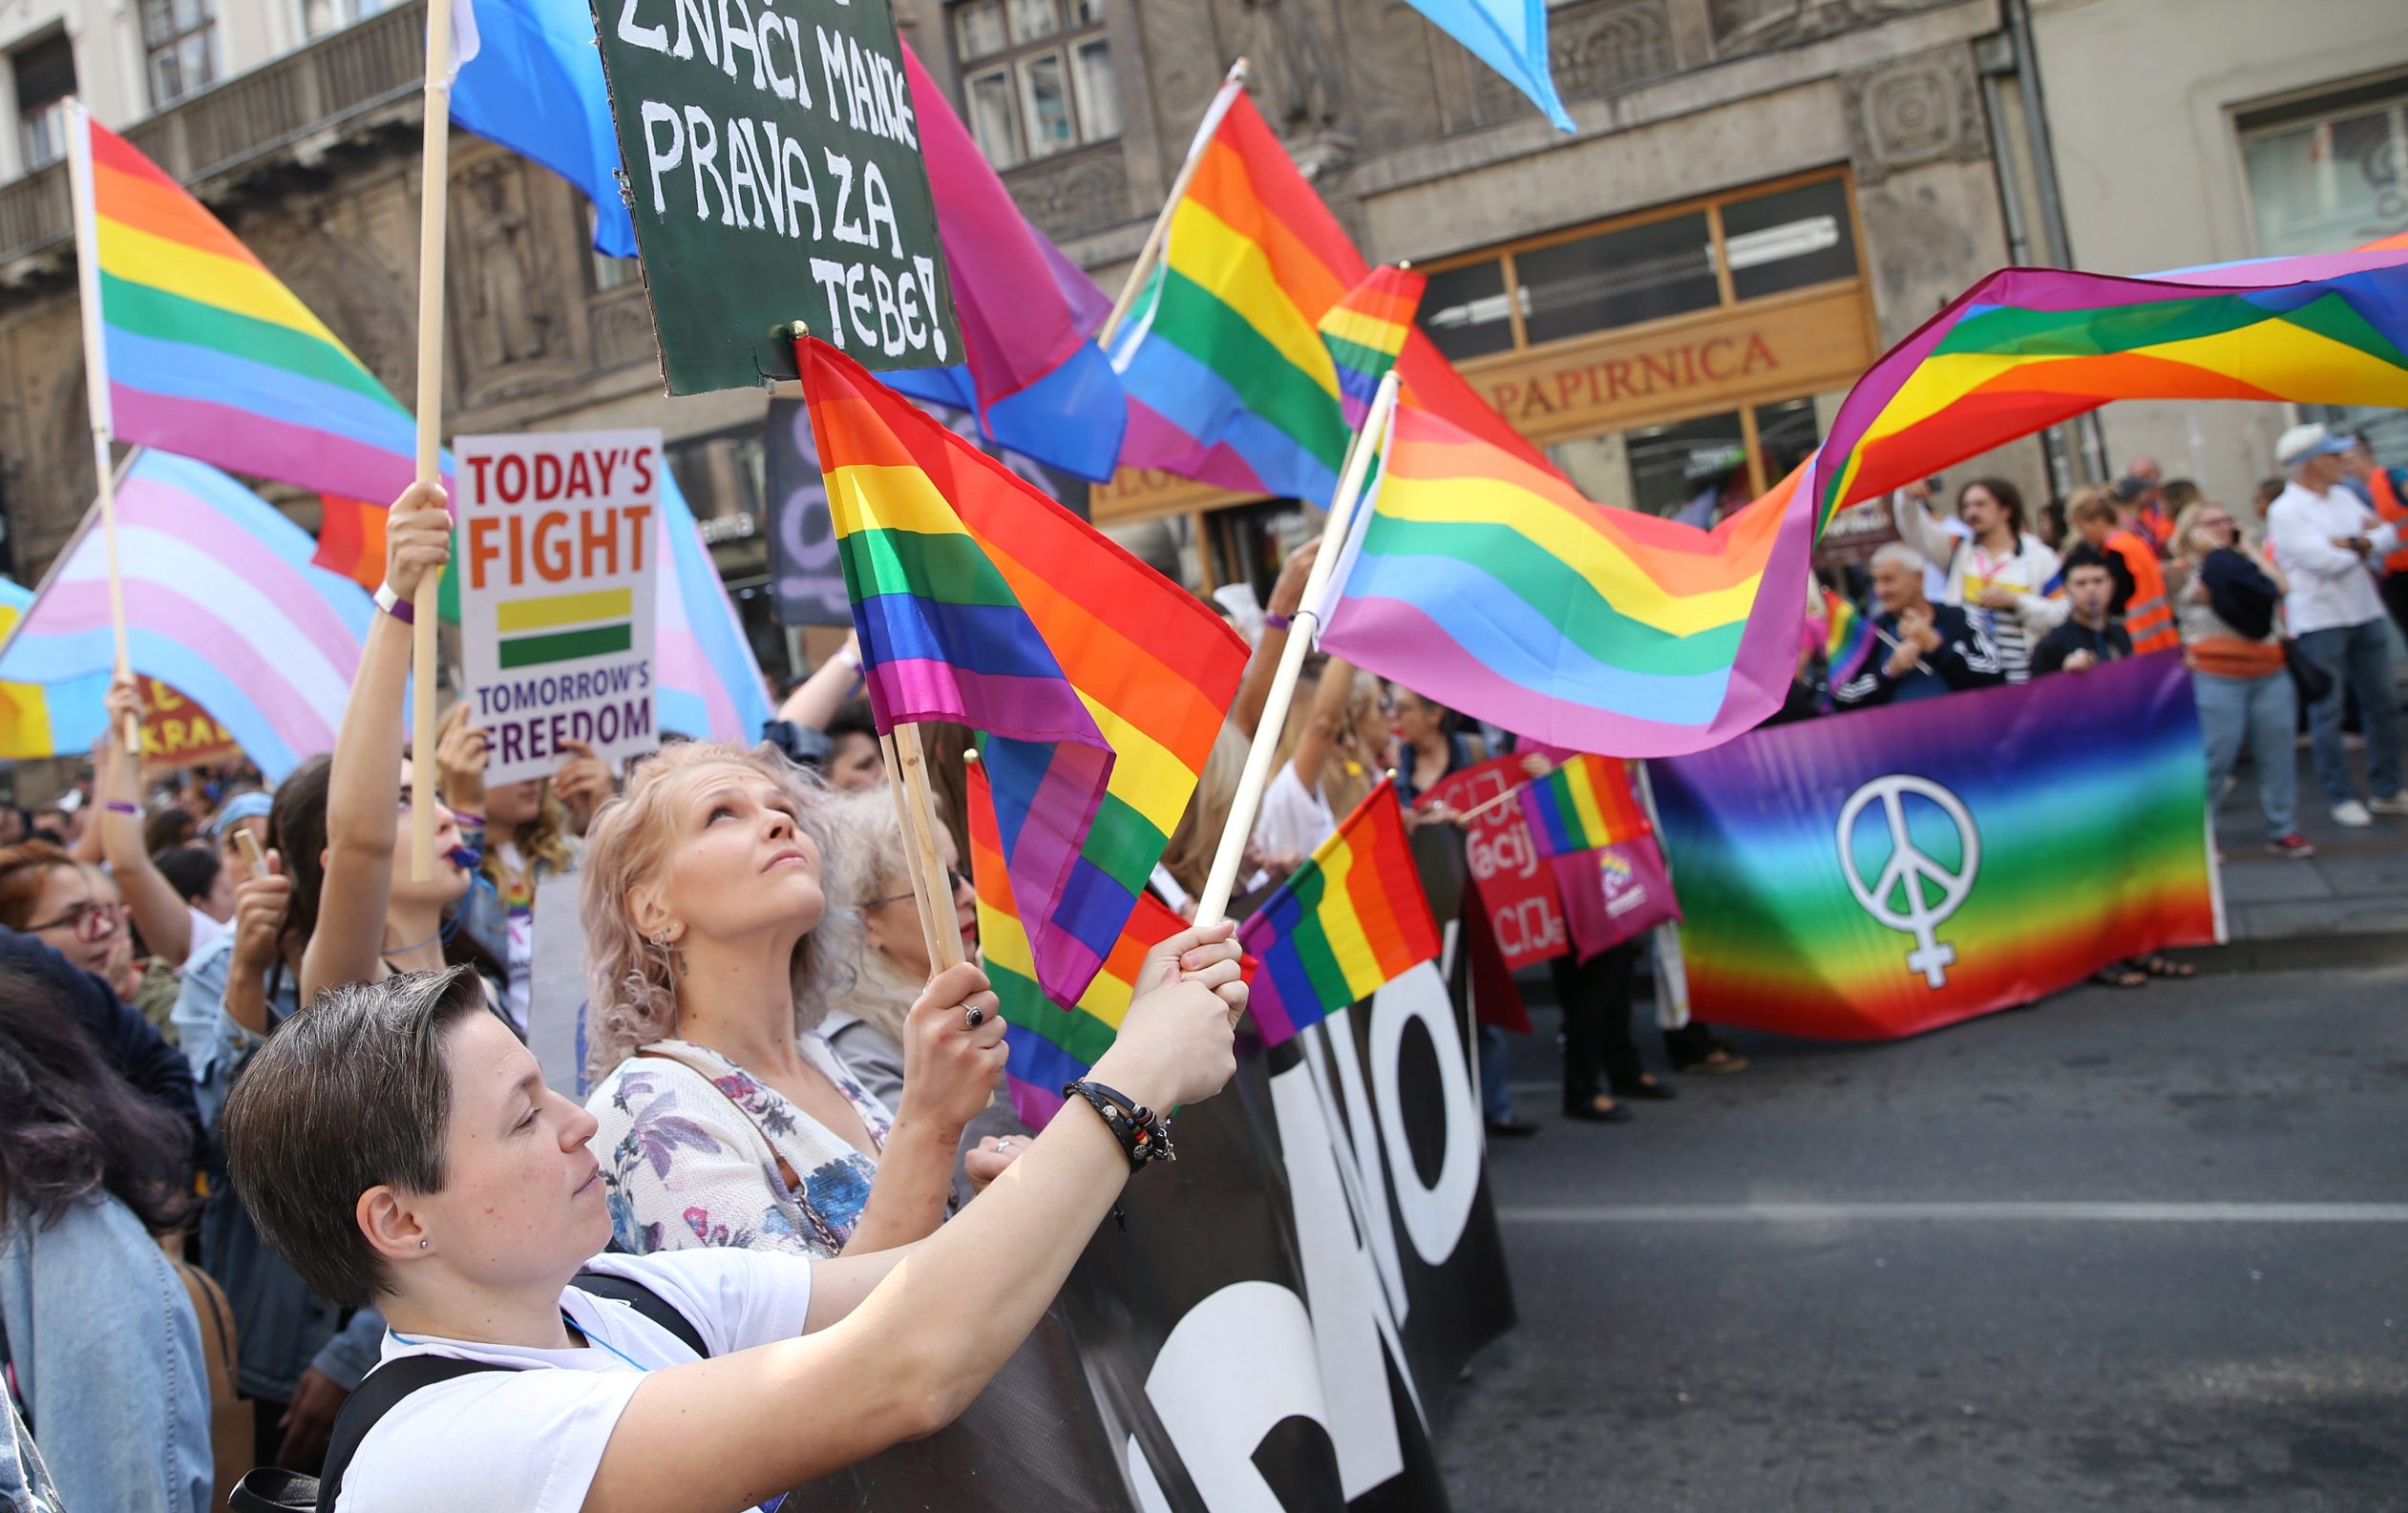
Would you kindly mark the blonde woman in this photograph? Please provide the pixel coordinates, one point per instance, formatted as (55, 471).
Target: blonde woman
(718, 938)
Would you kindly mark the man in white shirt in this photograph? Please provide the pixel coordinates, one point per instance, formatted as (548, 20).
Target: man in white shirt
(2324, 536)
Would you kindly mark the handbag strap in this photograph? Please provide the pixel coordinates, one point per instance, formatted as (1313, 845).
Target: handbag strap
(785, 1169)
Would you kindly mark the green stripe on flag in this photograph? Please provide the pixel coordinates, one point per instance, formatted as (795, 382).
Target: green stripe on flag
(567, 645)
(155, 313)
(948, 567)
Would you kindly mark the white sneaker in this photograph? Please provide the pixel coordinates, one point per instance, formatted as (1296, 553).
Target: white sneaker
(2352, 814)
(2397, 804)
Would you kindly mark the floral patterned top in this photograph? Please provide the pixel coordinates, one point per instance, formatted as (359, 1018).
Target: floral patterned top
(690, 1145)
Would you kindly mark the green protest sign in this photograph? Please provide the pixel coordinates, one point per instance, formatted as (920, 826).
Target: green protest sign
(772, 155)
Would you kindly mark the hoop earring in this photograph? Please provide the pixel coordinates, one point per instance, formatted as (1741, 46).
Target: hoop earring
(668, 948)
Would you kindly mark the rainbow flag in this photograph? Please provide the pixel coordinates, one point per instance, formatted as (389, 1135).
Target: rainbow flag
(982, 601)
(1228, 379)
(1048, 1045)
(221, 602)
(209, 355)
(1580, 806)
(1350, 920)
(1905, 868)
(46, 719)
(1848, 637)
(1492, 586)
(1367, 331)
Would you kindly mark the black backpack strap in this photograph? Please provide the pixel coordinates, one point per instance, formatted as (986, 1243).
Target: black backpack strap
(379, 1392)
(645, 1301)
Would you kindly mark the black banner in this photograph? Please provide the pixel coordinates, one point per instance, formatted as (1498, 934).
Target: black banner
(1280, 1318)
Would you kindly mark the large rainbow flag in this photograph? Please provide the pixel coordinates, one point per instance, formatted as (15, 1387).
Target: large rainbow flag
(208, 354)
(1228, 379)
(1900, 869)
(1491, 585)
(1097, 685)
(1352, 918)
(221, 602)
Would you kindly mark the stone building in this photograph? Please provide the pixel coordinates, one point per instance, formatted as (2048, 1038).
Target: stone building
(1762, 194)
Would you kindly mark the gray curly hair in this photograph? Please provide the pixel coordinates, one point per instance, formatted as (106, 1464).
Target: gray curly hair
(631, 982)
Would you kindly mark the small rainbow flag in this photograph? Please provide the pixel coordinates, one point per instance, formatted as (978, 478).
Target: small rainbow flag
(1367, 331)
(209, 355)
(1582, 805)
(1351, 919)
(1848, 640)
(982, 601)
(1049, 1045)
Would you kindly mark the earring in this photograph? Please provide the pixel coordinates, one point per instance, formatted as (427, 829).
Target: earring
(668, 944)
(422, 1244)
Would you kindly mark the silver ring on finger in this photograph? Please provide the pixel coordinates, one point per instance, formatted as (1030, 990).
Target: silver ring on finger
(977, 1016)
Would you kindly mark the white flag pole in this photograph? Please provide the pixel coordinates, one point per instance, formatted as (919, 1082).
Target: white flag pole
(1212, 904)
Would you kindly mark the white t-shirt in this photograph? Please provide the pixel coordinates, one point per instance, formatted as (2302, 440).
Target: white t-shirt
(530, 1436)
(203, 931)
(1294, 818)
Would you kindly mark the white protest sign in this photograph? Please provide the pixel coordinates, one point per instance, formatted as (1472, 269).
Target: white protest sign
(557, 572)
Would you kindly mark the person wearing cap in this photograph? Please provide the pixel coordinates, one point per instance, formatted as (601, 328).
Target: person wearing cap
(2324, 536)
(2386, 489)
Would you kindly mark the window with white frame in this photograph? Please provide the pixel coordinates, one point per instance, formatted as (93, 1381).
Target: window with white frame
(1036, 75)
(180, 40)
(45, 78)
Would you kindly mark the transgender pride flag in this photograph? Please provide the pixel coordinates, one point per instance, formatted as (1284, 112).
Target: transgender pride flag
(221, 603)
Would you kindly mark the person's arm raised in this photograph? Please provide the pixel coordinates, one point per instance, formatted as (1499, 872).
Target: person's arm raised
(721, 1436)
(1287, 595)
(116, 787)
(364, 790)
(816, 699)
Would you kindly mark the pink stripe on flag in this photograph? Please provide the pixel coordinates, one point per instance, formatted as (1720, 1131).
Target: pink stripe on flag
(153, 505)
(922, 688)
(69, 608)
(686, 669)
(1157, 443)
(246, 441)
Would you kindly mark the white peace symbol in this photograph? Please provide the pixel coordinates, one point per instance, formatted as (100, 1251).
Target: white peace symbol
(1909, 869)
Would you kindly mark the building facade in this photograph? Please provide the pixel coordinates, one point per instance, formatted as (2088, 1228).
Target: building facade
(1763, 194)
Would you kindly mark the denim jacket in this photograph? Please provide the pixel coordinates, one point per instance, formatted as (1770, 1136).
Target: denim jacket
(107, 1356)
(281, 1327)
(24, 1481)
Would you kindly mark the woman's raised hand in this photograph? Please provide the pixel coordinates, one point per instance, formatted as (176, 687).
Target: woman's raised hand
(417, 537)
(950, 1064)
(1176, 1045)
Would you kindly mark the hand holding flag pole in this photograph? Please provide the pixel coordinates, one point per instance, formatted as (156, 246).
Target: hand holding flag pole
(1212, 906)
(931, 890)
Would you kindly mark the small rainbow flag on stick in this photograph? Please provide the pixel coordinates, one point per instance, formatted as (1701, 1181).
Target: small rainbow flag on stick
(1367, 331)
(1350, 920)
(1582, 805)
(1850, 637)
(208, 354)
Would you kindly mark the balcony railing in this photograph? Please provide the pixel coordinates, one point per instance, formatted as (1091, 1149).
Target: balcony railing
(336, 79)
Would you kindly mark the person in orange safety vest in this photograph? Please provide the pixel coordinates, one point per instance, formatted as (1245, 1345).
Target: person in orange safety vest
(2140, 597)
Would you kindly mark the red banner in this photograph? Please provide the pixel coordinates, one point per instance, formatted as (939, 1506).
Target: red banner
(1517, 890)
(178, 733)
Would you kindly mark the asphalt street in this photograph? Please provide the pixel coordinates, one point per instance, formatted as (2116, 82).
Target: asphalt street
(2136, 1250)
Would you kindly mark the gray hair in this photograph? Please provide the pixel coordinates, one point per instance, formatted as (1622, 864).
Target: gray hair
(1902, 554)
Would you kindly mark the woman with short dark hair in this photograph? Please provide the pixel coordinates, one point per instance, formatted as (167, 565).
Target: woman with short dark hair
(101, 1343)
(397, 1144)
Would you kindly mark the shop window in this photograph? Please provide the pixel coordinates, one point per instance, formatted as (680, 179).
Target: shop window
(45, 78)
(180, 40)
(1640, 273)
(1788, 239)
(1465, 311)
(1036, 76)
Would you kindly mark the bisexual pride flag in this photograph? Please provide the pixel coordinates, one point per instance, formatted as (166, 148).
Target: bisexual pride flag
(1880, 873)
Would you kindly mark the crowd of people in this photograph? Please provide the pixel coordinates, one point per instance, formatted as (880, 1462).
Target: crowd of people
(2283, 614)
(281, 1186)
(269, 1128)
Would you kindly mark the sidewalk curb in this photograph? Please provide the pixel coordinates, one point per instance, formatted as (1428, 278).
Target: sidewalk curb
(2298, 953)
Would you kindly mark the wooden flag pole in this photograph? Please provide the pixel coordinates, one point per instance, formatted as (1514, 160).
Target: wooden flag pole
(1212, 905)
(96, 378)
(426, 607)
(907, 773)
(1151, 251)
